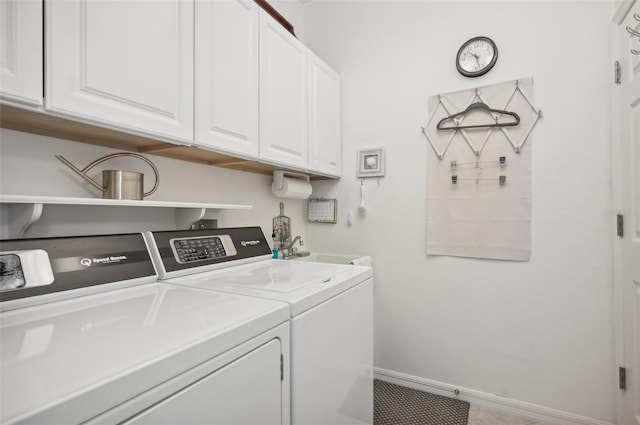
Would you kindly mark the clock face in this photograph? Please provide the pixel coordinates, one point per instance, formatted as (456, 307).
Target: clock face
(476, 57)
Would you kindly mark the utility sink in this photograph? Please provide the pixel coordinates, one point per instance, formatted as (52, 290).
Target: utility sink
(328, 258)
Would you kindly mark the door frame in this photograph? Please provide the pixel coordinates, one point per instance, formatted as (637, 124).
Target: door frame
(618, 201)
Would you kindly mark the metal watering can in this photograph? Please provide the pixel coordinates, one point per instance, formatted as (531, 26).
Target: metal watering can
(117, 184)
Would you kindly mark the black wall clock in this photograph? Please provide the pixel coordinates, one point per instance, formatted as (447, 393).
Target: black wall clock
(476, 56)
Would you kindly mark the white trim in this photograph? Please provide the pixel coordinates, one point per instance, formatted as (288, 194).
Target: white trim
(619, 52)
(515, 407)
(617, 204)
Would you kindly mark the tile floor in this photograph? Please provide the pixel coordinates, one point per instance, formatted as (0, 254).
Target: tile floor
(483, 416)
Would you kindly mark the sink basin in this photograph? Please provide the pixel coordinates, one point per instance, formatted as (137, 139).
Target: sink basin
(328, 258)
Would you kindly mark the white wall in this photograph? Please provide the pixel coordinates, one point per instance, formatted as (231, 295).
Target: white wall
(293, 11)
(539, 331)
(28, 167)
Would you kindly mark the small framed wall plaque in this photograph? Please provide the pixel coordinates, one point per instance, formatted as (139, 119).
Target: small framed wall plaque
(371, 162)
(323, 210)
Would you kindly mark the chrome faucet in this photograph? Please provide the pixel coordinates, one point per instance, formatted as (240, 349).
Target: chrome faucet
(291, 250)
(297, 238)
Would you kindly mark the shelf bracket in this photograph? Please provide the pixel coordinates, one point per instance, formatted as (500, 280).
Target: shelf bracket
(186, 218)
(22, 216)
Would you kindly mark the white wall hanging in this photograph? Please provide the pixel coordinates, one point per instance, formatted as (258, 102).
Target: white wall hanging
(479, 171)
(371, 162)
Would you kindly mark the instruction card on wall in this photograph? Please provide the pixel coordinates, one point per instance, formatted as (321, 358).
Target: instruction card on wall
(479, 171)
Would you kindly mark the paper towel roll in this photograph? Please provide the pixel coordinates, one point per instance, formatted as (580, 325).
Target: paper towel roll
(292, 188)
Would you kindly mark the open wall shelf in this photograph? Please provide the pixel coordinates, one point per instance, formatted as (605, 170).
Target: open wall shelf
(24, 211)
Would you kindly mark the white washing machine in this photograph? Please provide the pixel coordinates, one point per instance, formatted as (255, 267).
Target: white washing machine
(87, 334)
(331, 308)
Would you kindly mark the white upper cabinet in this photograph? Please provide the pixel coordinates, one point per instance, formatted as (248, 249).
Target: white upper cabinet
(21, 51)
(283, 96)
(325, 146)
(227, 59)
(124, 64)
(222, 75)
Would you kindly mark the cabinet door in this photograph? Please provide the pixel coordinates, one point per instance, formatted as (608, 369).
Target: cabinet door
(21, 51)
(248, 391)
(227, 76)
(283, 96)
(325, 146)
(123, 64)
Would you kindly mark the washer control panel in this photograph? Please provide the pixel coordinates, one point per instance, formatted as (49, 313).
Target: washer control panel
(24, 269)
(183, 252)
(11, 274)
(188, 250)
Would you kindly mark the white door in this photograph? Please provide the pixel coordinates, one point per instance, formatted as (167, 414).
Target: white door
(122, 64)
(227, 59)
(21, 51)
(325, 146)
(283, 96)
(626, 168)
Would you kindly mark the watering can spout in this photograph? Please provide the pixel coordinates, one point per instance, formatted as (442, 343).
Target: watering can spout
(80, 172)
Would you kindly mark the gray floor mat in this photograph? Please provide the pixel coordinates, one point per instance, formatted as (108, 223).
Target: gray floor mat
(396, 405)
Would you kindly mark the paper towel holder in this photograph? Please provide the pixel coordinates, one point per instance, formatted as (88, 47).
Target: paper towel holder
(278, 178)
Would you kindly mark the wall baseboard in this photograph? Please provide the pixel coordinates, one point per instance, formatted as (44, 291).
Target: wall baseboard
(515, 407)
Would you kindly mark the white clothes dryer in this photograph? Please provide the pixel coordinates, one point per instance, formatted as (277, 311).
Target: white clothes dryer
(87, 334)
(331, 308)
